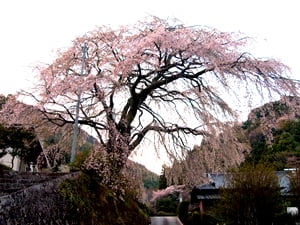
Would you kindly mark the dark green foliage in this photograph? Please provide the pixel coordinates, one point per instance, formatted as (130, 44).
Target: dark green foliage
(95, 204)
(4, 143)
(150, 181)
(277, 143)
(258, 146)
(280, 108)
(252, 196)
(258, 115)
(162, 183)
(23, 143)
(183, 212)
(285, 142)
(3, 100)
(287, 137)
(285, 145)
(166, 206)
(79, 160)
(247, 124)
(2, 169)
(250, 125)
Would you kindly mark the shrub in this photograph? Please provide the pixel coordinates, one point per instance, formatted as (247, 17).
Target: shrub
(251, 196)
(95, 204)
(166, 206)
(183, 210)
(79, 160)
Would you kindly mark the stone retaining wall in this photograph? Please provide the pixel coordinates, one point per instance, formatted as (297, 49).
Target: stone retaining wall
(40, 204)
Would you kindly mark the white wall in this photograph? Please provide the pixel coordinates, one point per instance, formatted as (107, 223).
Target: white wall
(6, 160)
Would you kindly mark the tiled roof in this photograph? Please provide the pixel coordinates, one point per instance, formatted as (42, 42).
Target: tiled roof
(218, 180)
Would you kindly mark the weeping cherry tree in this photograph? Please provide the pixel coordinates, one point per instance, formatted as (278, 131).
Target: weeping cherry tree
(157, 80)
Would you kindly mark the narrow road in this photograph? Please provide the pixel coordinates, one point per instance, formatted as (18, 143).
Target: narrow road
(165, 220)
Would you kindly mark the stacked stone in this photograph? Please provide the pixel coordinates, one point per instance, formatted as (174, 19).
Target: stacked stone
(35, 200)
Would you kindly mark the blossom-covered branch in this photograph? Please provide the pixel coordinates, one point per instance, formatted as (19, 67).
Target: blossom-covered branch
(154, 76)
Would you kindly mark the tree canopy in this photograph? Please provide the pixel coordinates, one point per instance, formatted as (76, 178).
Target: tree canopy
(283, 151)
(18, 141)
(156, 77)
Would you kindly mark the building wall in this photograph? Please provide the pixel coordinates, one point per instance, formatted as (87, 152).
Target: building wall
(6, 160)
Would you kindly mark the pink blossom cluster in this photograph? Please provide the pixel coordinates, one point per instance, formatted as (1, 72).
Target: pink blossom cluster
(168, 191)
(156, 77)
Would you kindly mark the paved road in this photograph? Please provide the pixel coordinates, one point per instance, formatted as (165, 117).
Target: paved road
(165, 220)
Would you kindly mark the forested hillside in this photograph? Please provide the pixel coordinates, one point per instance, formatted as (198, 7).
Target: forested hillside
(271, 135)
(273, 131)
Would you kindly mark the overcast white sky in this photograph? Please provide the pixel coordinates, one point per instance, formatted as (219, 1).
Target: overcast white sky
(32, 30)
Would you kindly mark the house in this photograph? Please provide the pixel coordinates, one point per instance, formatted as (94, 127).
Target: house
(206, 195)
(21, 147)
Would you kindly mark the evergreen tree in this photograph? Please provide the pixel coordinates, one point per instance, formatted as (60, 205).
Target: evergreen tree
(162, 183)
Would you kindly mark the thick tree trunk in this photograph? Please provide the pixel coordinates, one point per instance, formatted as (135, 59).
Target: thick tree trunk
(109, 159)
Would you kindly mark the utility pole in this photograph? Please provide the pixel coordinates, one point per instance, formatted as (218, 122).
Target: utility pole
(75, 134)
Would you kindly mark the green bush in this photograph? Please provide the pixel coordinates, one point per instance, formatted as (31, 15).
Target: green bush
(79, 160)
(96, 204)
(166, 206)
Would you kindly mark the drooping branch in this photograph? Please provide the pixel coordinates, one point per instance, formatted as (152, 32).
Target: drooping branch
(138, 137)
(155, 77)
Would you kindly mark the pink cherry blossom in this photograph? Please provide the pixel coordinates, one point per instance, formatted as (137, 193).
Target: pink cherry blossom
(156, 77)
